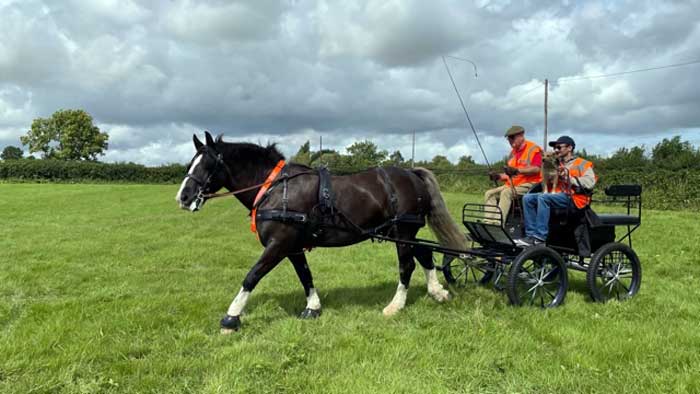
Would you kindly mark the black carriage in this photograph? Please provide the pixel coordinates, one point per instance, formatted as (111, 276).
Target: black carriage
(538, 275)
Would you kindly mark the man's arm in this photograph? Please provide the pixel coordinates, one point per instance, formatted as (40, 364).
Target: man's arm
(534, 167)
(587, 180)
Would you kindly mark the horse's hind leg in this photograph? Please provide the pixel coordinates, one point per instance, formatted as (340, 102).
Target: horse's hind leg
(406, 267)
(435, 289)
(313, 303)
(271, 256)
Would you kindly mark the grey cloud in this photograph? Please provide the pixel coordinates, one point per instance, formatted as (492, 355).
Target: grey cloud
(155, 72)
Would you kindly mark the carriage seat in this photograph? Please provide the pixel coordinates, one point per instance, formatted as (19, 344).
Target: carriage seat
(618, 220)
(629, 194)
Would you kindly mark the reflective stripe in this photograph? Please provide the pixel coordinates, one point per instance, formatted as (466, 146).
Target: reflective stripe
(529, 154)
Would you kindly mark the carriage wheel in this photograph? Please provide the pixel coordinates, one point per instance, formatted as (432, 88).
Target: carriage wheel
(537, 277)
(465, 272)
(614, 272)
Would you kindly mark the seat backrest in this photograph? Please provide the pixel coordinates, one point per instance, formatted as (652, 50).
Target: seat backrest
(623, 190)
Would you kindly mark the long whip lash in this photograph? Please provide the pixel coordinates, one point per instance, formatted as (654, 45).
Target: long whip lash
(464, 108)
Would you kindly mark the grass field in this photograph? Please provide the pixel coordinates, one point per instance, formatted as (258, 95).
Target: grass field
(114, 289)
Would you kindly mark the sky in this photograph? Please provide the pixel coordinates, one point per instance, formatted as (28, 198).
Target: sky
(153, 73)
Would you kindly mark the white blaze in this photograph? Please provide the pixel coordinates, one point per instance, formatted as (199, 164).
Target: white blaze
(194, 165)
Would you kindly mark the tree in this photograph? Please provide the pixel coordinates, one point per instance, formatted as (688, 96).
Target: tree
(632, 158)
(66, 135)
(465, 162)
(11, 153)
(395, 159)
(675, 154)
(440, 162)
(303, 155)
(365, 154)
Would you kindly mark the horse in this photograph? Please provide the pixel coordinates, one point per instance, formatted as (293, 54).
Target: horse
(295, 208)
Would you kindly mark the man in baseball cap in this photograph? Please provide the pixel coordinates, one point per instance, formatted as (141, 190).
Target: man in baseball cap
(576, 182)
(520, 174)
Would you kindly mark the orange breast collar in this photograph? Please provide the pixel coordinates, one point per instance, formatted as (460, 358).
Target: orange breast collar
(261, 192)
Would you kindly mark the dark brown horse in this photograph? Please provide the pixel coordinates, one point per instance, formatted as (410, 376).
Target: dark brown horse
(293, 216)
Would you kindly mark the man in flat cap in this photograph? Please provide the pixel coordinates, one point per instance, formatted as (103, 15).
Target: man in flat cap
(520, 174)
(576, 181)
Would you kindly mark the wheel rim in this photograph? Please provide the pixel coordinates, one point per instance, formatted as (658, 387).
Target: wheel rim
(465, 272)
(538, 282)
(615, 276)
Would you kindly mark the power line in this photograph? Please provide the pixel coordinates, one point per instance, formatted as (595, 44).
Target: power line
(571, 79)
(528, 92)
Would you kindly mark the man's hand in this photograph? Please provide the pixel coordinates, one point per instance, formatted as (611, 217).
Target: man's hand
(511, 171)
(563, 173)
(494, 176)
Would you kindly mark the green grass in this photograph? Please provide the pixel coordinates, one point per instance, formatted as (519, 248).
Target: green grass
(112, 288)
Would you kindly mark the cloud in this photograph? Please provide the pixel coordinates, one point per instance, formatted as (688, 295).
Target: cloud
(153, 73)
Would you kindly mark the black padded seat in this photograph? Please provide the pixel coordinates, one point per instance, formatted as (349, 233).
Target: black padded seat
(618, 220)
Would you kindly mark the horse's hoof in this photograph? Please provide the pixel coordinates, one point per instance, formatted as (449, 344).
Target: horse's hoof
(390, 310)
(230, 324)
(309, 313)
(441, 296)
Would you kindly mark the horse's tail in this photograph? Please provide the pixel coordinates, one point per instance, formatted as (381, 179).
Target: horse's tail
(441, 223)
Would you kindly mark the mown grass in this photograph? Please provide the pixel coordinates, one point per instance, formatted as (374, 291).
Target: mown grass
(111, 288)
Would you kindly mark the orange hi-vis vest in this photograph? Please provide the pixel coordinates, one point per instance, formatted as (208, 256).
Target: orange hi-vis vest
(577, 168)
(525, 160)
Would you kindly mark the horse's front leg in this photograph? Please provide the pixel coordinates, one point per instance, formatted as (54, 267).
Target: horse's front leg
(313, 303)
(271, 256)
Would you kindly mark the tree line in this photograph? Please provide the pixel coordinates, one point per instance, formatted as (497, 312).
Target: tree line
(669, 154)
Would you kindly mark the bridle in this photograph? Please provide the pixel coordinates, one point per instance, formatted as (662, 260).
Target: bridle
(202, 185)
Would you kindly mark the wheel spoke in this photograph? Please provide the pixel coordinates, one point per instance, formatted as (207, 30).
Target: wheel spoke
(534, 295)
(550, 294)
(473, 271)
(624, 287)
(460, 274)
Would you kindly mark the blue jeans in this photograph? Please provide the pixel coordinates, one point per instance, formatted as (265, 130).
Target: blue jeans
(536, 207)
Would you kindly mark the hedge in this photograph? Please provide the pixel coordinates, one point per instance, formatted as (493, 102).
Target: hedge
(663, 189)
(88, 171)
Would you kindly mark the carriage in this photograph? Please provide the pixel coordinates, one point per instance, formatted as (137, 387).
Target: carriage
(295, 208)
(579, 239)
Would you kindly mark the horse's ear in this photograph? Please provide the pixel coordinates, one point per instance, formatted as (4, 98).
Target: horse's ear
(210, 140)
(197, 143)
(219, 138)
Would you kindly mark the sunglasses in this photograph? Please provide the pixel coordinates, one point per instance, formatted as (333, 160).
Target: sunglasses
(560, 147)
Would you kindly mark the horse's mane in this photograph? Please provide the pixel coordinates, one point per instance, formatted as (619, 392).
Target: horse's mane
(251, 153)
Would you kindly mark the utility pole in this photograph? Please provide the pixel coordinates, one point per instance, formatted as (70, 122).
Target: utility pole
(546, 89)
(320, 143)
(413, 150)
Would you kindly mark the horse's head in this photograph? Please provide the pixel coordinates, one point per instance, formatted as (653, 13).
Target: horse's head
(207, 173)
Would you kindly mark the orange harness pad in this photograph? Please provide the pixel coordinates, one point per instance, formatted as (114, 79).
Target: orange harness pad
(261, 192)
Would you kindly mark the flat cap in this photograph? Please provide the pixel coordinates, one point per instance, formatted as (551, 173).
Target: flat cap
(514, 130)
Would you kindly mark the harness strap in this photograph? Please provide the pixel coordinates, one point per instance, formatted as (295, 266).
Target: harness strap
(325, 191)
(273, 174)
